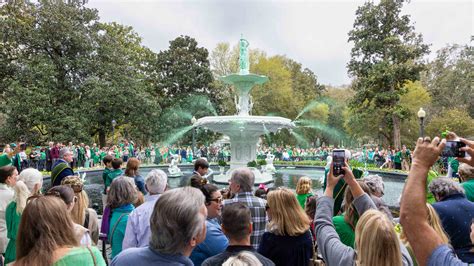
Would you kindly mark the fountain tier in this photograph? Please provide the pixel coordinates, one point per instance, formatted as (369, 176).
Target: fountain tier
(243, 132)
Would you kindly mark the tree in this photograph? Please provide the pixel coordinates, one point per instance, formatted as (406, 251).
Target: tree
(67, 75)
(386, 54)
(455, 119)
(184, 79)
(416, 97)
(119, 86)
(449, 79)
(45, 48)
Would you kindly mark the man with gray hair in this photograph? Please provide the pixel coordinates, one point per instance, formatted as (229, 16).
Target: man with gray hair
(138, 233)
(456, 213)
(178, 225)
(62, 167)
(241, 184)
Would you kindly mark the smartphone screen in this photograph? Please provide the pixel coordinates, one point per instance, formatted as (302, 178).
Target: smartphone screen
(452, 149)
(338, 162)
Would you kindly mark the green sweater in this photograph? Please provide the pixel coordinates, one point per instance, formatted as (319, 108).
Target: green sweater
(118, 224)
(469, 189)
(344, 230)
(81, 256)
(12, 219)
(302, 198)
(110, 176)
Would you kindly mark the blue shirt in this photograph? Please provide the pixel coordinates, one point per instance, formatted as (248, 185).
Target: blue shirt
(443, 255)
(147, 256)
(215, 243)
(456, 214)
(138, 233)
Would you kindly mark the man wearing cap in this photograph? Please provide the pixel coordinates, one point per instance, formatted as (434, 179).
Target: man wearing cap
(62, 167)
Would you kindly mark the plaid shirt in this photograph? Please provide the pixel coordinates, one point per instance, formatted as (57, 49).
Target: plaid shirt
(257, 210)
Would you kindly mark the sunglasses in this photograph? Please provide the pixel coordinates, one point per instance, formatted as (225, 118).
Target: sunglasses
(217, 200)
(267, 207)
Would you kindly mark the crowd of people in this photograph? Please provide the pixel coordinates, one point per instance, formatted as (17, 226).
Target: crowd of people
(88, 156)
(146, 223)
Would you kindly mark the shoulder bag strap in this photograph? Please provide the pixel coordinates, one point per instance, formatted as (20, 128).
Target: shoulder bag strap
(92, 254)
(115, 226)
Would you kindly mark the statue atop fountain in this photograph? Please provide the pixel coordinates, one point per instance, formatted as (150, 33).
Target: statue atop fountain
(244, 63)
(173, 169)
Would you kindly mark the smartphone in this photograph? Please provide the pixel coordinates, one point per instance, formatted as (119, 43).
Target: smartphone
(452, 149)
(338, 161)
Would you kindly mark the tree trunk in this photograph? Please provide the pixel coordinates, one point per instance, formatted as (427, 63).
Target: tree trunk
(102, 138)
(396, 131)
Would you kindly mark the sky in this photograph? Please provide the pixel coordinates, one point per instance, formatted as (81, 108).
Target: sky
(313, 33)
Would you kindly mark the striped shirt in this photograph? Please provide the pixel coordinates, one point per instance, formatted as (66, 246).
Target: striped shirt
(257, 210)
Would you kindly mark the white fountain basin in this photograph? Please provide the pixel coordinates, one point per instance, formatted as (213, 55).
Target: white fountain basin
(244, 132)
(249, 125)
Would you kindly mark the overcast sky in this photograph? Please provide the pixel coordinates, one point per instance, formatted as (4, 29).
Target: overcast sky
(311, 32)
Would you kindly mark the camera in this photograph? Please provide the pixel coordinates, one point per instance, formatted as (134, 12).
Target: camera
(452, 149)
(338, 161)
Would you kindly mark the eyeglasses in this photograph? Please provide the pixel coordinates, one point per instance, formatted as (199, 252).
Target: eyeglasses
(267, 207)
(217, 200)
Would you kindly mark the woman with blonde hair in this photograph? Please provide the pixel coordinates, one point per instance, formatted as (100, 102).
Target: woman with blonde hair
(375, 239)
(47, 237)
(81, 213)
(304, 190)
(288, 240)
(435, 223)
(29, 184)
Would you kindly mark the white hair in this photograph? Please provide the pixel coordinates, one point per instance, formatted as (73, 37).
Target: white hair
(156, 181)
(375, 184)
(244, 258)
(31, 177)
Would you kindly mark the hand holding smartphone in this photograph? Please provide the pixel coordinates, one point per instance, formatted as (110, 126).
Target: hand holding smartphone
(452, 149)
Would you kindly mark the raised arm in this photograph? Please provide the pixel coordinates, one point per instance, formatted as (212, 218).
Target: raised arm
(329, 244)
(413, 212)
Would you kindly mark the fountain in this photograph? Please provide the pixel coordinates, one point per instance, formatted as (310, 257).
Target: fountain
(244, 129)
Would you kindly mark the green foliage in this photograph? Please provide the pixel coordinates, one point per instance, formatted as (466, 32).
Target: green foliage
(262, 162)
(449, 79)
(252, 164)
(222, 163)
(386, 54)
(456, 120)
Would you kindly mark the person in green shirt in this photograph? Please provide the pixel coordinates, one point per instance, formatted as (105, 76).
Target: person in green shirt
(466, 176)
(397, 159)
(345, 223)
(304, 190)
(48, 238)
(29, 184)
(115, 172)
(122, 196)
